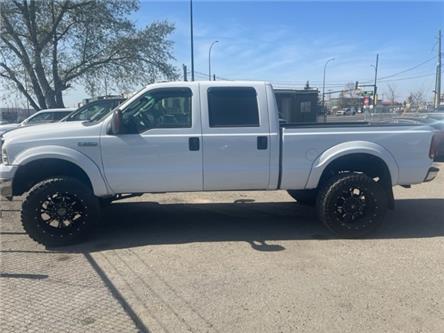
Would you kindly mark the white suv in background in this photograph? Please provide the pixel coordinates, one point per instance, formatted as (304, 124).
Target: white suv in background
(41, 117)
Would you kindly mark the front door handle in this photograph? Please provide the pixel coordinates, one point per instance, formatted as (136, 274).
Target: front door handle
(194, 144)
(262, 142)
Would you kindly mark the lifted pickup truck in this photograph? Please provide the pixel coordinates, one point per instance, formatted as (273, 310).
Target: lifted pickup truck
(208, 136)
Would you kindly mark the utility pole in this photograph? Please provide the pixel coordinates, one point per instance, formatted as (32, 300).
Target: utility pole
(375, 88)
(323, 89)
(438, 74)
(192, 40)
(184, 67)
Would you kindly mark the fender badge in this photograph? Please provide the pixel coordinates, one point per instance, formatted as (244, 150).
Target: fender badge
(87, 144)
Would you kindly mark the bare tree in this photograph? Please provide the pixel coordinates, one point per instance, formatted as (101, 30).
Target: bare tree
(349, 96)
(391, 93)
(416, 99)
(50, 45)
(350, 91)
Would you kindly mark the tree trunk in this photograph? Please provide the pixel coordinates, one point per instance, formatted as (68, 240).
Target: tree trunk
(58, 87)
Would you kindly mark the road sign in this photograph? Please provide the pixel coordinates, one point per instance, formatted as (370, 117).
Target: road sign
(367, 93)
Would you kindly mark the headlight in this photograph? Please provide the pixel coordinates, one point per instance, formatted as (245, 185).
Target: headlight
(4, 155)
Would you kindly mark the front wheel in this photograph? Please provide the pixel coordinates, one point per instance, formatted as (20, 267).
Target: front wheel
(59, 211)
(352, 205)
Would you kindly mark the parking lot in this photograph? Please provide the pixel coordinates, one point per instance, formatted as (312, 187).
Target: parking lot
(229, 262)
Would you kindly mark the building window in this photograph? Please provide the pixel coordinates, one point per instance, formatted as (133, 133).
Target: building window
(306, 107)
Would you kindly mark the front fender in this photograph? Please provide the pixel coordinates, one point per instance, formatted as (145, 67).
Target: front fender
(347, 148)
(68, 154)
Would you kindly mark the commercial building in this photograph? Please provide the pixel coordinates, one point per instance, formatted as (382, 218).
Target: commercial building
(298, 106)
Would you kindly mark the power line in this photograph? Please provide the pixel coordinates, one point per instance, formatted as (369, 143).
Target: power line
(407, 70)
(409, 78)
(316, 83)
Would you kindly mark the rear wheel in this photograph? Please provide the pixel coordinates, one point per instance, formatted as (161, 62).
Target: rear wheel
(59, 211)
(352, 205)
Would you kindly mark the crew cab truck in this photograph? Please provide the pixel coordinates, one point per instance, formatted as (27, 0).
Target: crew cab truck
(208, 136)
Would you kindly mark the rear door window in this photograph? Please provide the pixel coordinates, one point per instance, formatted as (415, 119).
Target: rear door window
(233, 107)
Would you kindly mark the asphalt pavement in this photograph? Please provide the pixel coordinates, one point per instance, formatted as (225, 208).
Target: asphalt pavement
(229, 262)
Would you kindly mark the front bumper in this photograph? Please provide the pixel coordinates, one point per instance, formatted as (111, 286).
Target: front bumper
(431, 174)
(6, 175)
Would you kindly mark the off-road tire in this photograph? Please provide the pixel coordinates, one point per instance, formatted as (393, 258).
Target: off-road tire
(304, 197)
(45, 193)
(370, 211)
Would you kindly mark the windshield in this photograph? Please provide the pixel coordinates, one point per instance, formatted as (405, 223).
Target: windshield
(39, 118)
(93, 110)
(99, 115)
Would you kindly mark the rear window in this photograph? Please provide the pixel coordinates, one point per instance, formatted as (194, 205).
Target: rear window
(233, 107)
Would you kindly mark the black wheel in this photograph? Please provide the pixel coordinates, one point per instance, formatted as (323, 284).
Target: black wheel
(352, 205)
(304, 197)
(59, 211)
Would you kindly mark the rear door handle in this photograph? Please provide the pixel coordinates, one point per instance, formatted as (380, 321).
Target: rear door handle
(262, 142)
(194, 144)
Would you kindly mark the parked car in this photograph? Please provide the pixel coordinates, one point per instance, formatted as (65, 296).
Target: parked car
(440, 108)
(40, 117)
(7, 127)
(94, 109)
(340, 112)
(350, 111)
(346, 112)
(208, 136)
(436, 121)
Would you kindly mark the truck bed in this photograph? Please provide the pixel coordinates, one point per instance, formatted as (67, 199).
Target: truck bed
(306, 149)
(343, 124)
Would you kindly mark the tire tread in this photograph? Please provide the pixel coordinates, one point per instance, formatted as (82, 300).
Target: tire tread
(331, 185)
(28, 218)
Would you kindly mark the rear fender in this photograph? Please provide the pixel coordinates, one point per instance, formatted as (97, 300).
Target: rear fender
(348, 148)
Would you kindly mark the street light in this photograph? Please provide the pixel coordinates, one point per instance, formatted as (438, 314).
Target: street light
(192, 40)
(209, 59)
(323, 89)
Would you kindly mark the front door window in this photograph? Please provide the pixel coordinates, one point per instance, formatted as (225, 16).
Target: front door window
(164, 108)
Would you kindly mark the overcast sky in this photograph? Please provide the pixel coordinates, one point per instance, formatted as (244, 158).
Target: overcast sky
(288, 42)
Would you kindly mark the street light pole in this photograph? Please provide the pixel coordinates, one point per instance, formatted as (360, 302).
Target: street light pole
(192, 40)
(438, 74)
(323, 89)
(209, 59)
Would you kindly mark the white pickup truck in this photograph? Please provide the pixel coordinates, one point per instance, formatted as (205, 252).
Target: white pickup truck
(208, 136)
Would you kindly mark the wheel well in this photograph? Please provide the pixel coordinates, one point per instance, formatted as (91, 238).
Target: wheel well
(35, 171)
(371, 165)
